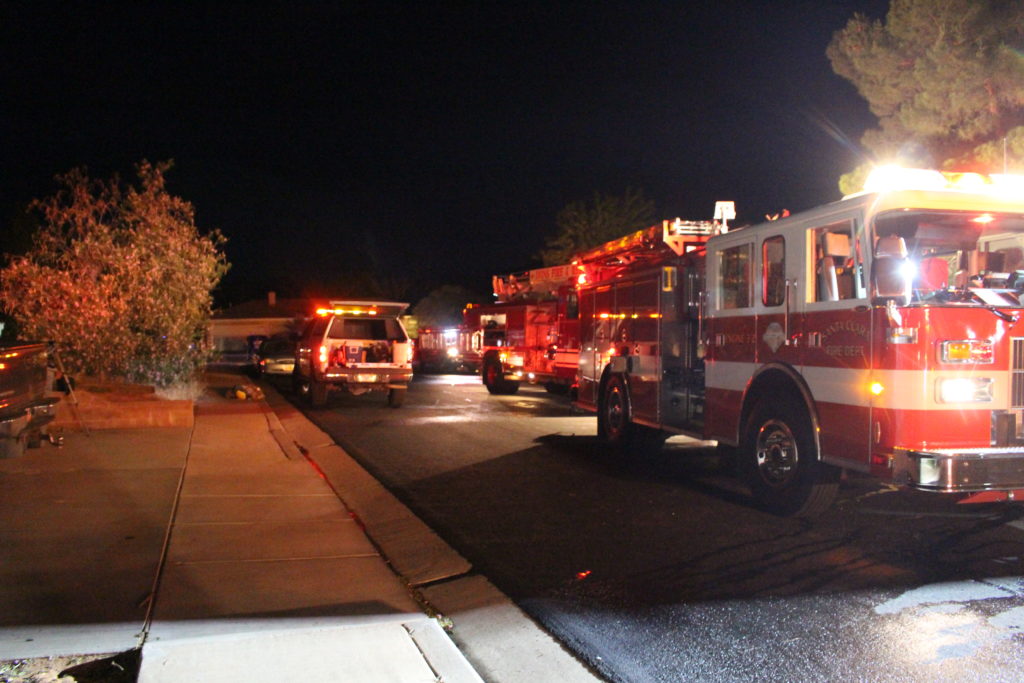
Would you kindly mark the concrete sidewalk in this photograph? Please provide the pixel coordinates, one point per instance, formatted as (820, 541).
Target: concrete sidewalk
(213, 549)
(247, 547)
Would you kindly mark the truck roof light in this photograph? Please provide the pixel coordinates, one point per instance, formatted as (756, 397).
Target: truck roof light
(346, 311)
(893, 178)
(889, 178)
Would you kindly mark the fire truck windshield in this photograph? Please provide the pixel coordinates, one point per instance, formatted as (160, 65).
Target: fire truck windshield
(956, 256)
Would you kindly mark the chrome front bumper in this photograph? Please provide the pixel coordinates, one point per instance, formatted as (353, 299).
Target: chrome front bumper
(948, 470)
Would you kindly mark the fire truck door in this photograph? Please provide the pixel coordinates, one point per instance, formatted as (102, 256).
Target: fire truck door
(682, 372)
(595, 339)
(836, 341)
(778, 302)
(645, 374)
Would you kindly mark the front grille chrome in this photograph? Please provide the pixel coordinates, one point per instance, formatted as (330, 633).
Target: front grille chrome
(1017, 373)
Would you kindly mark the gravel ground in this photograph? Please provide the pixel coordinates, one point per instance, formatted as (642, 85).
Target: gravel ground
(120, 668)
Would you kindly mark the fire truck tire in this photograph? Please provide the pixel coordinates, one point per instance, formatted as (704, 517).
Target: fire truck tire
(494, 379)
(779, 461)
(317, 393)
(617, 426)
(491, 376)
(615, 413)
(396, 397)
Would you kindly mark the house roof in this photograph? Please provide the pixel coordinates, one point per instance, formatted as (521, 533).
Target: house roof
(260, 308)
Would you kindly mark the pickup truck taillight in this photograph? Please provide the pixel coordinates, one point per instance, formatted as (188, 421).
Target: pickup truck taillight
(322, 357)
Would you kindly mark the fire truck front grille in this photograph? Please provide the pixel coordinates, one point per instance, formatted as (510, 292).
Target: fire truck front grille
(1017, 373)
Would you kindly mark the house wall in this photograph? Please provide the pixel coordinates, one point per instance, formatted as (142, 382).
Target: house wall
(229, 336)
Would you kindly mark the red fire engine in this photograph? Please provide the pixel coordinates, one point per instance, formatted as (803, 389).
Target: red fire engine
(530, 333)
(882, 334)
(445, 349)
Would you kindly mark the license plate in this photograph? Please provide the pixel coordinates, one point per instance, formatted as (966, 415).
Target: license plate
(366, 378)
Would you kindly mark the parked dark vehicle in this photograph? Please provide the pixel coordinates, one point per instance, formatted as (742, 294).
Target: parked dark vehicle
(276, 356)
(24, 406)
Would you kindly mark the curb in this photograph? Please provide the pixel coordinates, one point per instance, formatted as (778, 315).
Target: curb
(500, 641)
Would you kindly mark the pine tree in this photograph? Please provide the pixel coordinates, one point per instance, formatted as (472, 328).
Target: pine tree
(945, 79)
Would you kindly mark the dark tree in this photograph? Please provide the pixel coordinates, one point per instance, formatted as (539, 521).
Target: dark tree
(945, 79)
(582, 224)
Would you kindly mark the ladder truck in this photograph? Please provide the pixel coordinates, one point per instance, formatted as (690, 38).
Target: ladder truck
(530, 333)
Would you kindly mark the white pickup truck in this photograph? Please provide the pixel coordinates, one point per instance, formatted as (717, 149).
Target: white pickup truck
(359, 346)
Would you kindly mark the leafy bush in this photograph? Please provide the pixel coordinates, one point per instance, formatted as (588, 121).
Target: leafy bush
(119, 277)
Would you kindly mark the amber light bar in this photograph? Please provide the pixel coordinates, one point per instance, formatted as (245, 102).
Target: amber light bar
(346, 311)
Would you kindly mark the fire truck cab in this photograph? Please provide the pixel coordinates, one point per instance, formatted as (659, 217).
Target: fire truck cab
(445, 349)
(882, 333)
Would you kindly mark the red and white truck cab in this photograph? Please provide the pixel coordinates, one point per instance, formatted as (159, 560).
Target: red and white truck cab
(881, 333)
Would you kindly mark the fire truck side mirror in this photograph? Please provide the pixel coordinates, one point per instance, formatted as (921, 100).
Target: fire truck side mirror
(891, 276)
(889, 279)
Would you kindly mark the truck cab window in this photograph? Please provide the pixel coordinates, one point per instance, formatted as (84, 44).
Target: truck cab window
(773, 271)
(836, 262)
(734, 277)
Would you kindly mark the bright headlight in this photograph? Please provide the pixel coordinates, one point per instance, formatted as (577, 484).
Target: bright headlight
(452, 351)
(964, 390)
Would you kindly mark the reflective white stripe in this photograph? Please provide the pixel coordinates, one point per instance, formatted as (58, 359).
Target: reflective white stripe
(903, 389)
(916, 389)
(727, 375)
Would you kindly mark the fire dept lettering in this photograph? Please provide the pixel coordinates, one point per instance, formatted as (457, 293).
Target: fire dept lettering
(834, 334)
(857, 328)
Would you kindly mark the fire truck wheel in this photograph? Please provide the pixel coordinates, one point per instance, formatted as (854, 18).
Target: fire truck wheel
(779, 459)
(396, 397)
(317, 393)
(616, 414)
(494, 379)
(491, 376)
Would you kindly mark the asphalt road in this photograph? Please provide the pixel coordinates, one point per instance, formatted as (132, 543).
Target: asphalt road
(662, 570)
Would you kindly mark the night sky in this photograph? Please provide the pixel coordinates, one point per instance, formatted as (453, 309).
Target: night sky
(431, 142)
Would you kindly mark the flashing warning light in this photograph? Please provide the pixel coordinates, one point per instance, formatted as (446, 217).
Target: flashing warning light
(876, 388)
(893, 178)
(3, 366)
(584, 574)
(323, 356)
(355, 310)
